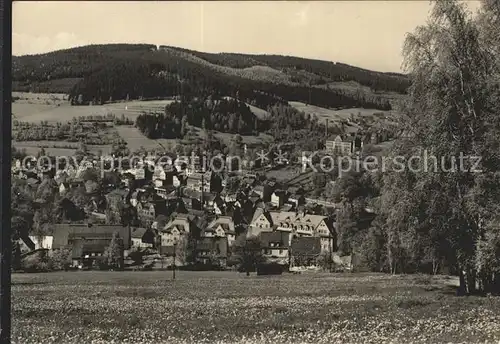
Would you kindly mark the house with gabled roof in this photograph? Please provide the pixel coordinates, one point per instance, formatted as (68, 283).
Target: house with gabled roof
(275, 246)
(264, 191)
(26, 244)
(42, 241)
(261, 222)
(88, 241)
(212, 250)
(278, 198)
(148, 211)
(63, 188)
(222, 227)
(295, 223)
(180, 225)
(198, 182)
(143, 237)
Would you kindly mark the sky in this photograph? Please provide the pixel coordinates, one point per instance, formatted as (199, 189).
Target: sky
(368, 34)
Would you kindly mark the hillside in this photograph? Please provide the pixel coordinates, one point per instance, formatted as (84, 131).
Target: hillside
(100, 73)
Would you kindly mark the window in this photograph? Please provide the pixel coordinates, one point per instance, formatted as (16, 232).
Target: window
(280, 251)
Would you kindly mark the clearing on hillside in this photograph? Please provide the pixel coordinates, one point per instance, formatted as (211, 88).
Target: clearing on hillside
(135, 139)
(258, 112)
(348, 117)
(51, 108)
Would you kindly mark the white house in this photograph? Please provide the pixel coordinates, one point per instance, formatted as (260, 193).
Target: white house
(222, 226)
(42, 241)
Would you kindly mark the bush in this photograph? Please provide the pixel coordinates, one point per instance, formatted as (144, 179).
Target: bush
(60, 259)
(38, 261)
(100, 264)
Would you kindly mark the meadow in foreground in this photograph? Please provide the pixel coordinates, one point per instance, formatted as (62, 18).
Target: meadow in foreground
(226, 307)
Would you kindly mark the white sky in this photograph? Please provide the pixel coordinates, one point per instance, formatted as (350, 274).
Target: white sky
(367, 34)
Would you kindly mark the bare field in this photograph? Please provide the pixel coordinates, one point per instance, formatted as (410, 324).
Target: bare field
(336, 116)
(227, 307)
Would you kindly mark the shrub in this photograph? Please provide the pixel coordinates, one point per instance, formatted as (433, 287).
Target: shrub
(60, 259)
(37, 261)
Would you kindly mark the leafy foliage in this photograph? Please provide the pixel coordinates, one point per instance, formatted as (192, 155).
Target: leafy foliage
(248, 253)
(114, 252)
(100, 73)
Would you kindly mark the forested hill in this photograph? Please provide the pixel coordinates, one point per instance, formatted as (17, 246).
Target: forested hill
(101, 73)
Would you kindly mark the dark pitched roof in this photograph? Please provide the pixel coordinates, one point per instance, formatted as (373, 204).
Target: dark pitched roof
(306, 246)
(28, 242)
(279, 237)
(94, 246)
(138, 233)
(63, 232)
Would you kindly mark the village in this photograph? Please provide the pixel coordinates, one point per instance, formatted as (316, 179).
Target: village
(185, 213)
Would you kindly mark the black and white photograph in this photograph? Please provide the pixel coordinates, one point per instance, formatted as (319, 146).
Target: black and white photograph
(251, 172)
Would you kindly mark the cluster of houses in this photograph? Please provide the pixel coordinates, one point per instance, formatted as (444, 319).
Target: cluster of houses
(285, 237)
(175, 203)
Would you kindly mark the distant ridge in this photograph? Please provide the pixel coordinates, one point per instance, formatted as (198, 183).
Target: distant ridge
(117, 71)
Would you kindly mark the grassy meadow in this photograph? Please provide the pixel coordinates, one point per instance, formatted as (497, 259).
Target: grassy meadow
(36, 107)
(337, 116)
(227, 307)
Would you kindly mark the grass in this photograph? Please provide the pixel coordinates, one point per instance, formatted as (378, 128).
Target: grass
(258, 112)
(337, 116)
(36, 107)
(248, 139)
(58, 148)
(135, 139)
(55, 148)
(284, 174)
(226, 307)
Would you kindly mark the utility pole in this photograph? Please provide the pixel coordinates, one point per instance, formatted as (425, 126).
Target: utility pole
(290, 258)
(330, 256)
(175, 257)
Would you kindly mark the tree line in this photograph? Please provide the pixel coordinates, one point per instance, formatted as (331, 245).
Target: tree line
(445, 221)
(378, 81)
(225, 115)
(116, 72)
